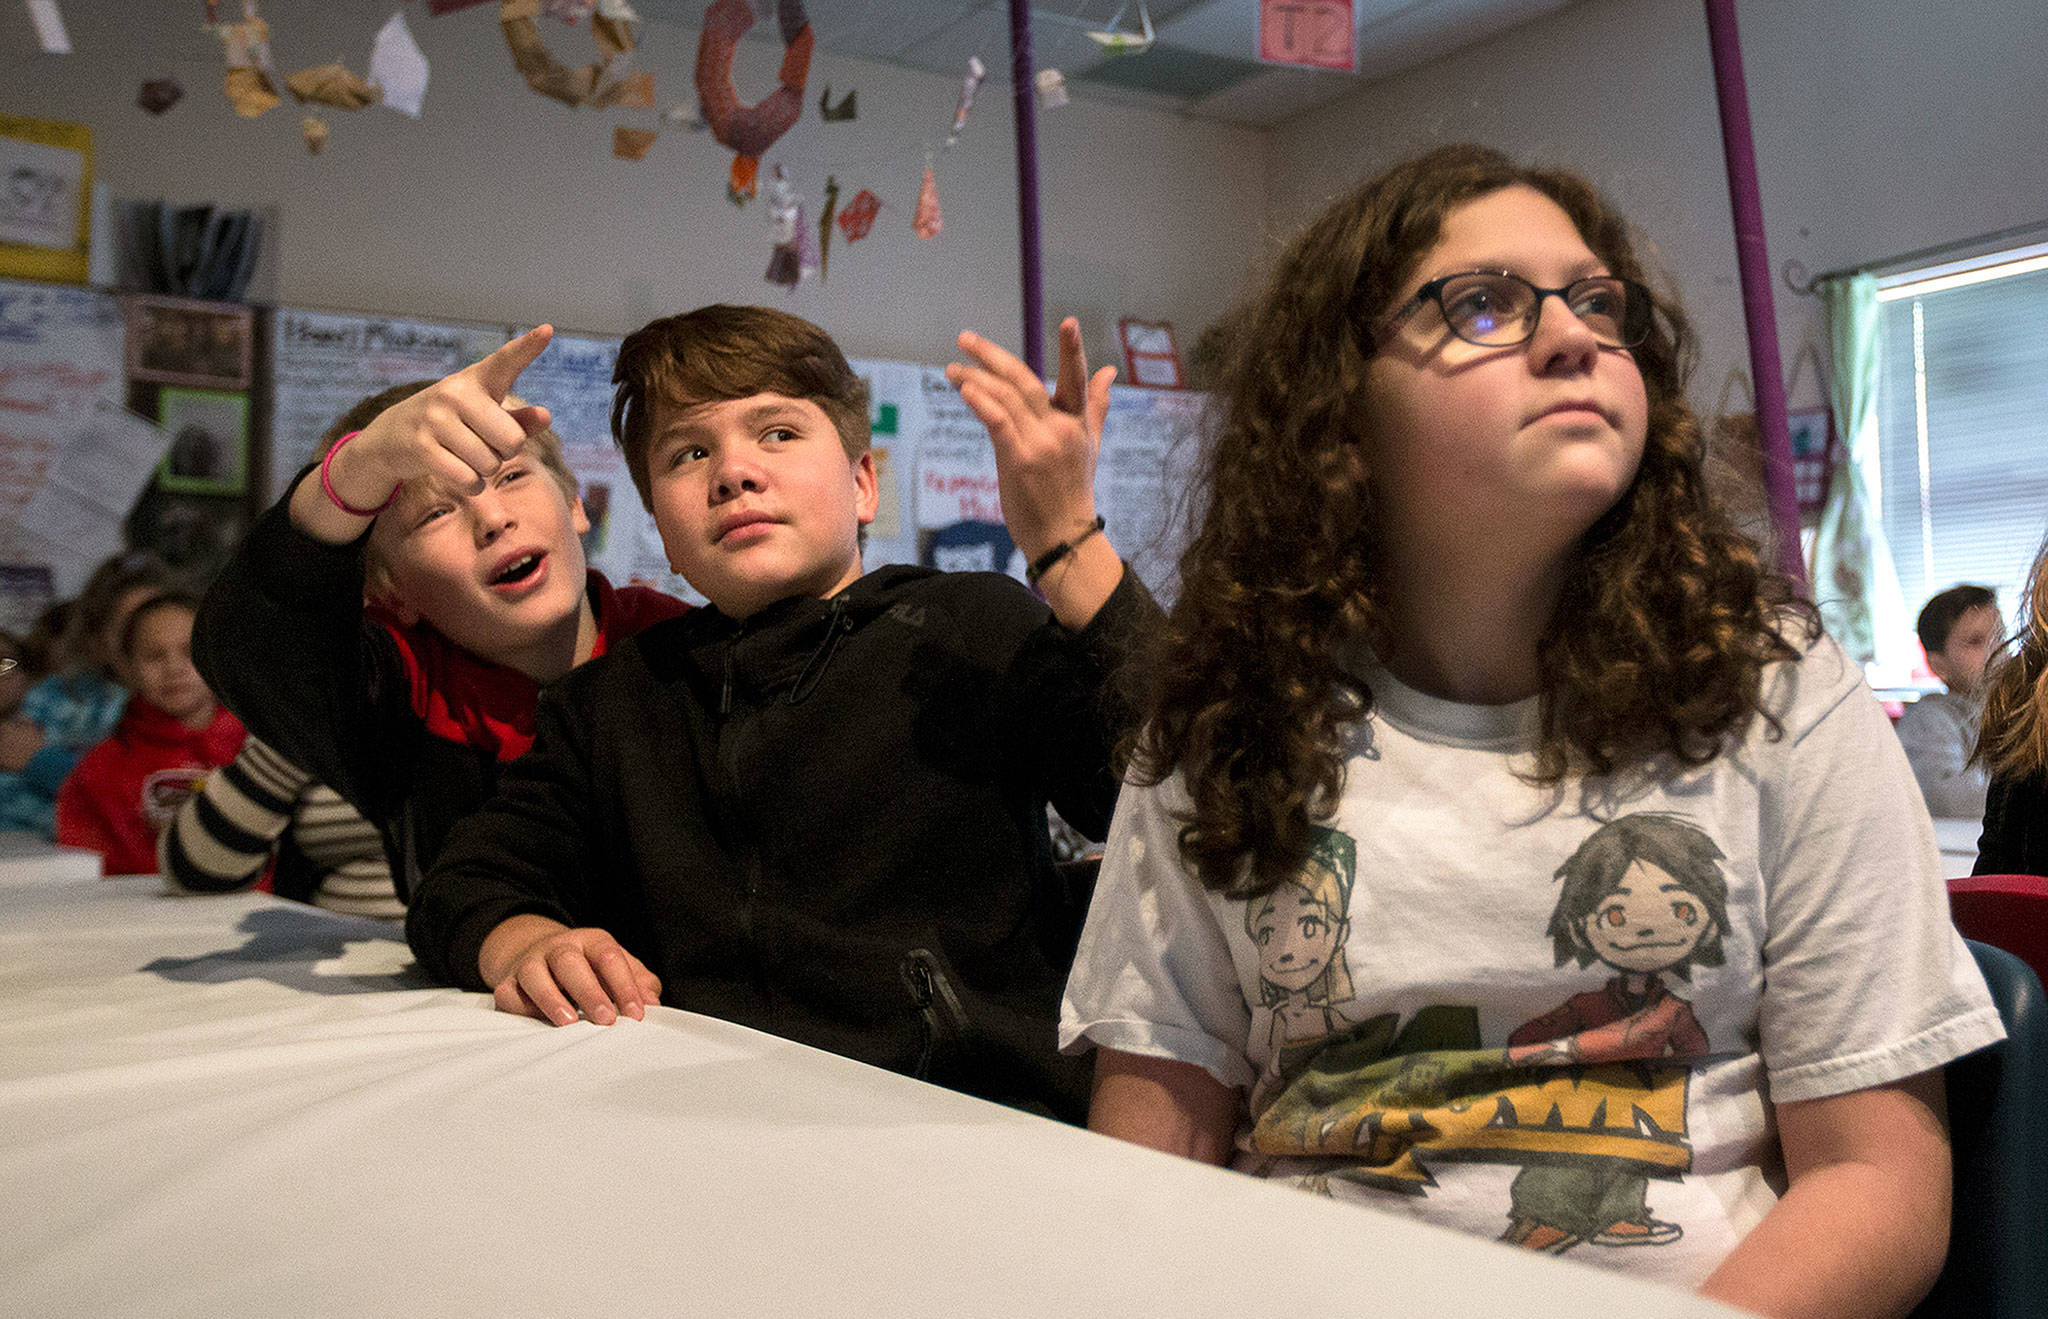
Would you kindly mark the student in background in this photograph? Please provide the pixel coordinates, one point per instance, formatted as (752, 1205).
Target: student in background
(387, 625)
(1959, 629)
(1507, 846)
(171, 736)
(78, 703)
(2015, 744)
(818, 807)
(263, 822)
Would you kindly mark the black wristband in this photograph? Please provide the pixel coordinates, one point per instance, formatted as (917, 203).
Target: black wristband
(1044, 562)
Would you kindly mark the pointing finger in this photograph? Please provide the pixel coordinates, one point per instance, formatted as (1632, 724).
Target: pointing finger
(500, 371)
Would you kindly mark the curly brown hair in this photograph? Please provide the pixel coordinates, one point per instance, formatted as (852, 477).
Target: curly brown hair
(2014, 736)
(1656, 647)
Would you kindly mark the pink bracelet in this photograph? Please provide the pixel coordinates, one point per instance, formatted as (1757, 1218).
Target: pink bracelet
(327, 484)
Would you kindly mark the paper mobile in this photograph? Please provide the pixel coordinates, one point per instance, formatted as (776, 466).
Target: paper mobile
(1115, 40)
(50, 33)
(398, 66)
(859, 215)
(159, 94)
(632, 143)
(571, 12)
(841, 113)
(331, 84)
(635, 91)
(572, 87)
(618, 11)
(969, 85)
(926, 219)
(825, 227)
(250, 81)
(1052, 88)
(785, 220)
(749, 130)
(315, 132)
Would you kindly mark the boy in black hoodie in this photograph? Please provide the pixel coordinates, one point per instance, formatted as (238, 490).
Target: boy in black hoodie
(816, 808)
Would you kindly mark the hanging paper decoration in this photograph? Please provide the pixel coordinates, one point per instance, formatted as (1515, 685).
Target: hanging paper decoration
(825, 227)
(787, 264)
(1052, 89)
(631, 143)
(859, 215)
(250, 82)
(926, 220)
(572, 87)
(618, 11)
(749, 130)
(969, 85)
(436, 8)
(331, 84)
(159, 94)
(49, 25)
(845, 112)
(635, 91)
(571, 12)
(399, 67)
(315, 132)
(1116, 40)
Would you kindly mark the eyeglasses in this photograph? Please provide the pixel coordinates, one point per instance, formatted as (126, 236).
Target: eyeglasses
(1496, 309)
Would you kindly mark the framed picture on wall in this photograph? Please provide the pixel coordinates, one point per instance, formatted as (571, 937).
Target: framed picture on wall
(1150, 357)
(182, 341)
(209, 449)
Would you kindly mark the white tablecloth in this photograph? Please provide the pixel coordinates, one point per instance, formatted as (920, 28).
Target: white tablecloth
(243, 1107)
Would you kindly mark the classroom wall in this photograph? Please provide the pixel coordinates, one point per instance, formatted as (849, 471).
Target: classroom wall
(500, 205)
(1881, 127)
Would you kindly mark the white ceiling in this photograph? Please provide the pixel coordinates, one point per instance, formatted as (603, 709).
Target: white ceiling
(1204, 63)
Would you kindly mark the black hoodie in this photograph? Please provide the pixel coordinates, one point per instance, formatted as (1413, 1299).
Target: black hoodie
(826, 822)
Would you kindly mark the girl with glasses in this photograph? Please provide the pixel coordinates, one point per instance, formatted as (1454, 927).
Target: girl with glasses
(1647, 949)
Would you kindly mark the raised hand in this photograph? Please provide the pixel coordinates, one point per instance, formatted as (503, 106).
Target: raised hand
(1046, 446)
(458, 431)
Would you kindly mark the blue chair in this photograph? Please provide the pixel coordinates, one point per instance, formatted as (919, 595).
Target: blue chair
(1998, 1127)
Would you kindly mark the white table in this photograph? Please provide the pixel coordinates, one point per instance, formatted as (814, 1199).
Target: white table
(238, 1106)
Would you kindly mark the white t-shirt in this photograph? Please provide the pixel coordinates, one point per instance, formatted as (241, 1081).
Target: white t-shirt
(1553, 1015)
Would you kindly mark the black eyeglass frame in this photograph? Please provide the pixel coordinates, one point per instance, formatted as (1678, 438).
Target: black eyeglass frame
(1376, 337)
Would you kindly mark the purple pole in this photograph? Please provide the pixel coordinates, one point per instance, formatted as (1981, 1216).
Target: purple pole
(1773, 435)
(1026, 112)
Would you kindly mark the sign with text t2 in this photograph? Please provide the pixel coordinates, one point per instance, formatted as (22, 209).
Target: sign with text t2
(1317, 34)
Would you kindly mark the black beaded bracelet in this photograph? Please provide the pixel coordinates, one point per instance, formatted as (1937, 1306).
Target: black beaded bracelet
(1044, 562)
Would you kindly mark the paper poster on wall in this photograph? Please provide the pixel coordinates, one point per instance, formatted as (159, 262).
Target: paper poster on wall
(72, 520)
(895, 423)
(60, 349)
(324, 362)
(1151, 441)
(45, 198)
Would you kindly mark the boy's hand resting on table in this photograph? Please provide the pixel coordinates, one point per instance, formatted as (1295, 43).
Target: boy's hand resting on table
(538, 967)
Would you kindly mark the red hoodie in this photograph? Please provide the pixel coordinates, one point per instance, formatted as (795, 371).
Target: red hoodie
(128, 787)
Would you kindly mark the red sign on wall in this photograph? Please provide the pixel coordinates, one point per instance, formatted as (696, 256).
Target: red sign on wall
(1317, 34)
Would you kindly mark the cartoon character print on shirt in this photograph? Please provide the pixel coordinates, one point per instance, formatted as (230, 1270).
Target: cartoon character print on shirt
(1589, 1099)
(1300, 929)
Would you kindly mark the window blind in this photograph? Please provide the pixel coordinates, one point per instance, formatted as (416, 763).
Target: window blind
(1963, 434)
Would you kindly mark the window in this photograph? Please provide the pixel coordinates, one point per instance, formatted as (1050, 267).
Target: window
(1963, 422)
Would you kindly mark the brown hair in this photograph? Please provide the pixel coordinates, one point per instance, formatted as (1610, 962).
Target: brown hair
(544, 444)
(2014, 739)
(1658, 643)
(725, 352)
(83, 642)
(132, 625)
(1945, 609)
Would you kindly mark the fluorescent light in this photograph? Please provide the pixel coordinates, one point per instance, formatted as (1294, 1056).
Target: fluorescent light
(1916, 286)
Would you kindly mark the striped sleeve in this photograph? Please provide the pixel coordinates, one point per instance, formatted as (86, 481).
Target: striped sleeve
(221, 838)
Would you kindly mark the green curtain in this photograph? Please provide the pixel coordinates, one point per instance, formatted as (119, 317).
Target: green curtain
(1853, 579)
